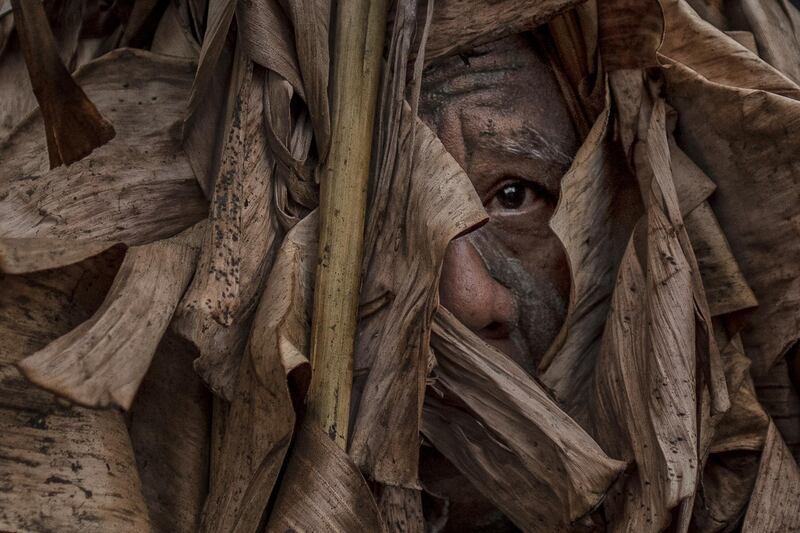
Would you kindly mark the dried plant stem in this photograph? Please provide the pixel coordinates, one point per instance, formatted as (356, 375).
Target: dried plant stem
(360, 29)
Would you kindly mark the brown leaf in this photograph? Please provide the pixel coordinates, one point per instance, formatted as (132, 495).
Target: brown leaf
(322, 490)
(174, 37)
(775, 26)
(779, 397)
(260, 423)
(659, 379)
(238, 249)
(566, 470)
(73, 125)
(220, 15)
(775, 505)
(63, 468)
(630, 33)
(264, 21)
(390, 363)
(18, 100)
(461, 24)
(597, 208)
(311, 22)
(18, 256)
(212, 97)
(127, 191)
(725, 286)
(102, 361)
(169, 426)
(700, 47)
(748, 150)
(728, 480)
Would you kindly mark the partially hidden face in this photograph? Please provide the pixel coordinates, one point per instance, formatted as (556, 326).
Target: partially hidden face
(500, 113)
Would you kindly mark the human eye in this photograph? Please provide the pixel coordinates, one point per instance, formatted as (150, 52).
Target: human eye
(515, 195)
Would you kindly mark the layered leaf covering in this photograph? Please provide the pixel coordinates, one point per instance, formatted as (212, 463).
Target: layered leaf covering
(160, 165)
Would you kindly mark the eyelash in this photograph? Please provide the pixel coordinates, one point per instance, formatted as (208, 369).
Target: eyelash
(539, 191)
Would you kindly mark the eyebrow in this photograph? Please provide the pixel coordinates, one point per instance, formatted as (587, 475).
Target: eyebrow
(528, 142)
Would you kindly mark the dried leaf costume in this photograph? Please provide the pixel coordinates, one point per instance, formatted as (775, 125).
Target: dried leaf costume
(159, 182)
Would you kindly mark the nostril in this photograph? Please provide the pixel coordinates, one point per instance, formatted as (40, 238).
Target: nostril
(496, 330)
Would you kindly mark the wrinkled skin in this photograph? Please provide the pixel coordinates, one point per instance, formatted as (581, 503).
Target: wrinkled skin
(500, 113)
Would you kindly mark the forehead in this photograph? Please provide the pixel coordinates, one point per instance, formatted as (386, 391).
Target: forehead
(502, 73)
(503, 95)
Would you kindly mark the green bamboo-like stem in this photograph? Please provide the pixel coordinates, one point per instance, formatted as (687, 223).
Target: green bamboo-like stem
(360, 29)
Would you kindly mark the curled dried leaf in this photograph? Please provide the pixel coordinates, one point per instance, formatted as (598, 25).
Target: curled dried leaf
(527, 437)
(260, 422)
(76, 463)
(73, 125)
(136, 189)
(103, 361)
(322, 490)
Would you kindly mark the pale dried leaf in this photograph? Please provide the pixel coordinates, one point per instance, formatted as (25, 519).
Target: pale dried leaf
(260, 422)
(748, 150)
(597, 207)
(390, 361)
(238, 247)
(322, 490)
(102, 361)
(128, 190)
(775, 504)
(570, 469)
(18, 256)
(311, 22)
(659, 380)
(63, 468)
(264, 21)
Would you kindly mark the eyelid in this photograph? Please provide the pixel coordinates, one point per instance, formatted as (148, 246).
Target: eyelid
(538, 188)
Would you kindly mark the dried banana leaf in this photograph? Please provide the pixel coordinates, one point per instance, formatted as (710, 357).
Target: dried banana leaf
(62, 468)
(322, 490)
(102, 361)
(238, 247)
(129, 190)
(458, 25)
(169, 424)
(18, 99)
(18, 256)
(630, 33)
(401, 284)
(527, 436)
(260, 422)
(776, 28)
(708, 52)
(73, 125)
(750, 158)
(598, 205)
(213, 93)
(776, 496)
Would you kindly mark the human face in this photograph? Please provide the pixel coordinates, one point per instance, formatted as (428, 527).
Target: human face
(500, 113)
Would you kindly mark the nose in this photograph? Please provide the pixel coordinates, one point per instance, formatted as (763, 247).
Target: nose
(468, 290)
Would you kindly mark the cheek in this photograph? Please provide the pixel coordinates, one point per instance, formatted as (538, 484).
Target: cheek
(528, 238)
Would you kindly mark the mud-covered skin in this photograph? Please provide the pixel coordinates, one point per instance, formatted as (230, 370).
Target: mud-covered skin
(500, 113)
